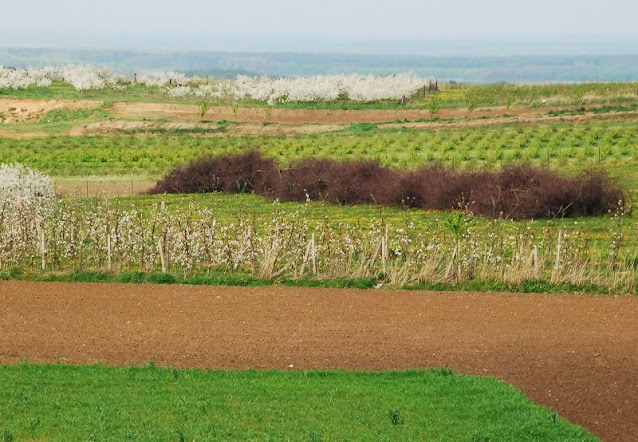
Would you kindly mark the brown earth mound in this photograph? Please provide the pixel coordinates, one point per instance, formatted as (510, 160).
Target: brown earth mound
(576, 354)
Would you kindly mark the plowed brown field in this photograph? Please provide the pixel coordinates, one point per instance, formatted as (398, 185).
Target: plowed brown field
(576, 354)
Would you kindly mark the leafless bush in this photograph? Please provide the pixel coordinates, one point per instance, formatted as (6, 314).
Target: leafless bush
(245, 172)
(517, 192)
(341, 183)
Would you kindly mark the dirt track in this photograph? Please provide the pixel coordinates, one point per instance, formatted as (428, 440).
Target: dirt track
(576, 354)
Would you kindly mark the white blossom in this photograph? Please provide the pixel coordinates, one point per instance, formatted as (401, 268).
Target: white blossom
(178, 91)
(19, 183)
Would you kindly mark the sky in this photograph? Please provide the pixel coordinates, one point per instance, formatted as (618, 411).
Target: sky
(470, 27)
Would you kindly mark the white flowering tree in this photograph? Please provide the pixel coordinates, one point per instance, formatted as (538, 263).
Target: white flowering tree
(86, 77)
(163, 78)
(23, 78)
(19, 183)
(26, 203)
(80, 77)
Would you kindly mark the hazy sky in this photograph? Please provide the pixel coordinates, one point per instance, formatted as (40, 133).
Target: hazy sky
(319, 25)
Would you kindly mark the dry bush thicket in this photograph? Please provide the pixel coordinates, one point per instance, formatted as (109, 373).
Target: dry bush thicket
(516, 192)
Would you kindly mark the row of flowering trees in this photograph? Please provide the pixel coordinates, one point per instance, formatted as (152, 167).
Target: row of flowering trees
(316, 88)
(40, 232)
(266, 89)
(80, 77)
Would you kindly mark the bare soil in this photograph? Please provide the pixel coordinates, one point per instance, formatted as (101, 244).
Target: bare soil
(32, 110)
(176, 112)
(255, 121)
(576, 354)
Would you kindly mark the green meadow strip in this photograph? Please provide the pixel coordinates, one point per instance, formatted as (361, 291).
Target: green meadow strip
(60, 402)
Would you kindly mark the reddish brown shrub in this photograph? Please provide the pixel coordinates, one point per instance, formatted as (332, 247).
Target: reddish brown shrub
(597, 194)
(518, 192)
(524, 192)
(341, 183)
(245, 172)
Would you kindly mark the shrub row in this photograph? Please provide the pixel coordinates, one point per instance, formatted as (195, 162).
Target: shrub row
(518, 192)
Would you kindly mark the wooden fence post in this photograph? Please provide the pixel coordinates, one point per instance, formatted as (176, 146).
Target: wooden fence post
(314, 255)
(385, 239)
(43, 249)
(162, 252)
(108, 251)
(559, 246)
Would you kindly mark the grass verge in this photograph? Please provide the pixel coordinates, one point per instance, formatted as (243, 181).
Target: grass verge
(97, 402)
(243, 280)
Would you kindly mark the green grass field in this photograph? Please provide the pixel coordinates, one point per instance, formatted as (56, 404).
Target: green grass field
(58, 402)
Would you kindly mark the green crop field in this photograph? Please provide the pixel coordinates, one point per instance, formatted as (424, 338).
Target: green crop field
(560, 146)
(97, 403)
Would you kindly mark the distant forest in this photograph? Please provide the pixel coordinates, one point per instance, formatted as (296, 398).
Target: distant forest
(512, 69)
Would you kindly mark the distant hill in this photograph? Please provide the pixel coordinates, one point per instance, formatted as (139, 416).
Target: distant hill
(524, 69)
